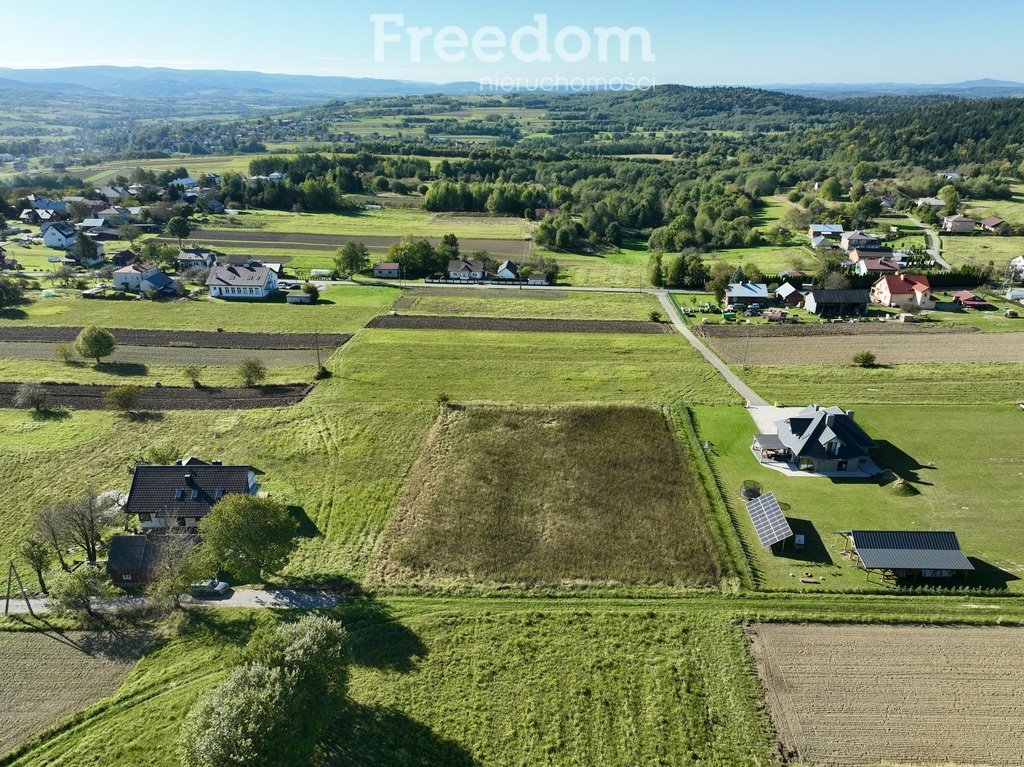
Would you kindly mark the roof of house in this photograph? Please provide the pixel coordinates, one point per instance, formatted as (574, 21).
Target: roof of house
(859, 235)
(747, 290)
(848, 296)
(62, 227)
(510, 266)
(132, 269)
(465, 266)
(159, 280)
(240, 276)
(388, 266)
(184, 490)
(878, 265)
(808, 433)
(792, 273)
(904, 284)
(965, 295)
(134, 553)
(195, 253)
(786, 289)
(827, 228)
(992, 222)
(909, 550)
(958, 219)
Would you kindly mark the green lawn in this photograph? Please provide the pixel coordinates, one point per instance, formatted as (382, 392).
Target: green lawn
(1011, 211)
(964, 460)
(979, 249)
(543, 304)
(770, 259)
(625, 268)
(507, 685)
(342, 309)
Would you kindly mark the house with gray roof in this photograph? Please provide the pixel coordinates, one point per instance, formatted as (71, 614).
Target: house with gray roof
(467, 270)
(818, 440)
(747, 293)
(249, 282)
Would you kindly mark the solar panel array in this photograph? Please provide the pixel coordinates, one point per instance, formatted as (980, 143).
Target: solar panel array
(769, 522)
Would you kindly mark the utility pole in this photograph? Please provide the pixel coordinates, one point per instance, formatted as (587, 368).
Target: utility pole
(12, 572)
(316, 340)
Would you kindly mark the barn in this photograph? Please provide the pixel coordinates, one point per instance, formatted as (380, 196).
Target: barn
(907, 555)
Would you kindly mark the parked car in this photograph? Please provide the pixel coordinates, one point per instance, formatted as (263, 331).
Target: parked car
(210, 589)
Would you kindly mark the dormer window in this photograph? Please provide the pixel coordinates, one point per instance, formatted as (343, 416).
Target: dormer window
(218, 493)
(195, 494)
(179, 495)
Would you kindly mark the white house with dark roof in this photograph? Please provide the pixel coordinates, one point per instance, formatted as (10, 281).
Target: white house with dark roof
(466, 270)
(508, 271)
(59, 236)
(250, 282)
(179, 496)
(818, 440)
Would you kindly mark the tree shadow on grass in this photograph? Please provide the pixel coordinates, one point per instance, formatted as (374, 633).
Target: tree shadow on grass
(307, 527)
(364, 736)
(123, 369)
(13, 313)
(889, 456)
(145, 416)
(50, 415)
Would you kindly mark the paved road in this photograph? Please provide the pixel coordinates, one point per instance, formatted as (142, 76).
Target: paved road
(279, 599)
(751, 397)
(935, 251)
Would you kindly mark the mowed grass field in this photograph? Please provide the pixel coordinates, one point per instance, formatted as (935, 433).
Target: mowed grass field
(979, 250)
(546, 304)
(487, 684)
(52, 675)
(966, 462)
(553, 495)
(342, 309)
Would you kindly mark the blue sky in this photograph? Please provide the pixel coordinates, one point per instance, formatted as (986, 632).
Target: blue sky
(697, 43)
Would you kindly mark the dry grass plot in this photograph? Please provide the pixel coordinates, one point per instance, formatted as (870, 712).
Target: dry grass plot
(49, 676)
(552, 495)
(859, 695)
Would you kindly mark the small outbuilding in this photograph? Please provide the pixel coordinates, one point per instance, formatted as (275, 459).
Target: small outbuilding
(907, 554)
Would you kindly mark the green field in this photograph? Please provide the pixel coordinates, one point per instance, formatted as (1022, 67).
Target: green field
(979, 250)
(768, 258)
(1011, 211)
(965, 461)
(553, 495)
(543, 304)
(341, 310)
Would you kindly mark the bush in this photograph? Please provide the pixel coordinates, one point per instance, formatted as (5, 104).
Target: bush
(123, 398)
(311, 290)
(657, 317)
(192, 373)
(32, 395)
(864, 359)
(252, 371)
(64, 353)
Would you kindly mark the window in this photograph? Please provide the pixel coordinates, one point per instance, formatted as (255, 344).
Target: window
(126, 577)
(195, 494)
(179, 494)
(181, 521)
(145, 517)
(218, 493)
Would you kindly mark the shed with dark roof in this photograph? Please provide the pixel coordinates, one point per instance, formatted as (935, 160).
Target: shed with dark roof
(908, 553)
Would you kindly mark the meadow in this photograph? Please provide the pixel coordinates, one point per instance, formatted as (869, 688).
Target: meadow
(525, 303)
(550, 495)
(979, 250)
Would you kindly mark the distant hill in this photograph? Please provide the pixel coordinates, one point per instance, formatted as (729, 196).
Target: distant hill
(158, 82)
(974, 89)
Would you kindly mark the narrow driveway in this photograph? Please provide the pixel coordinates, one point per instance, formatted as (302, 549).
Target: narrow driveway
(935, 251)
(751, 397)
(275, 599)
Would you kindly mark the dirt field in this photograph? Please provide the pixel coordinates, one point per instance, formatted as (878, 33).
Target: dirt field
(49, 676)
(424, 322)
(87, 397)
(889, 348)
(864, 695)
(183, 338)
(828, 329)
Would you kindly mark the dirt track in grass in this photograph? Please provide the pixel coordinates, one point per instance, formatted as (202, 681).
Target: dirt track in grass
(88, 397)
(426, 322)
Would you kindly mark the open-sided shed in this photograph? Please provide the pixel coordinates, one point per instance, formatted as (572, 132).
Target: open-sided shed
(901, 554)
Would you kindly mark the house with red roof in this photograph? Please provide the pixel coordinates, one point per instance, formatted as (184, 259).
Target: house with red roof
(903, 291)
(969, 300)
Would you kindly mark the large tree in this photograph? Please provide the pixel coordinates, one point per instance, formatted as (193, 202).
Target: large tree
(179, 563)
(84, 250)
(248, 536)
(10, 293)
(95, 342)
(32, 395)
(179, 227)
(77, 523)
(38, 555)
(352, 258)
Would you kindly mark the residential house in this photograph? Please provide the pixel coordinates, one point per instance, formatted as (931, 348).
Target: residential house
(837, 303)
(387, 270)
(969, 300)
(1017, 267)
(903, 291)
(215, 206)
(992, 224)
(867, 266)
(789, 294)
(179, 496)
(185, 183)
(818, 440)
(253, 282)
(239, 260)
(747, 293)
(792, 274)
(191, 258)
(123, 258)
(29, 216)
(131, 559)
(958, 224)
(115, 215)
(935, 203)
(508, 271)
(858, 240)
(92, 223)
(832, 231)
(466, 270)
(137, 278)
(112, 194)
(43, 203)
(59, 236)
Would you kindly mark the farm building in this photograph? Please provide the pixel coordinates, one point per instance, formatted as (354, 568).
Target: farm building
(180, 495)
(508, 271)
(818, 440)
(747, 293)
(132, 558)
(387, 270)
(900, 554)
(241, 282)
(858, 240)
(789, 294)
(537, 278)
(837, 303)
(992, 223)
(298, 297)
(831, 231)
(969, 300)
(958, 224)
(903, 290)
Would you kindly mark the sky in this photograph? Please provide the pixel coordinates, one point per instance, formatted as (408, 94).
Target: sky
(721, 42)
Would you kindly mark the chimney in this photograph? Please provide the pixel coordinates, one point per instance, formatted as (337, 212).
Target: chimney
(849, 413)
(216, 463)
(829, 419)
(817, 407)
(188, 478)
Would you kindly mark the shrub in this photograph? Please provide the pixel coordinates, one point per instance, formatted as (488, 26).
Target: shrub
(64, 353)
(864, 359)
(192, 373)
(656, 316)
(32, 395)
(123, 398)
(252, 371)
(95, 342)
(311, 290)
